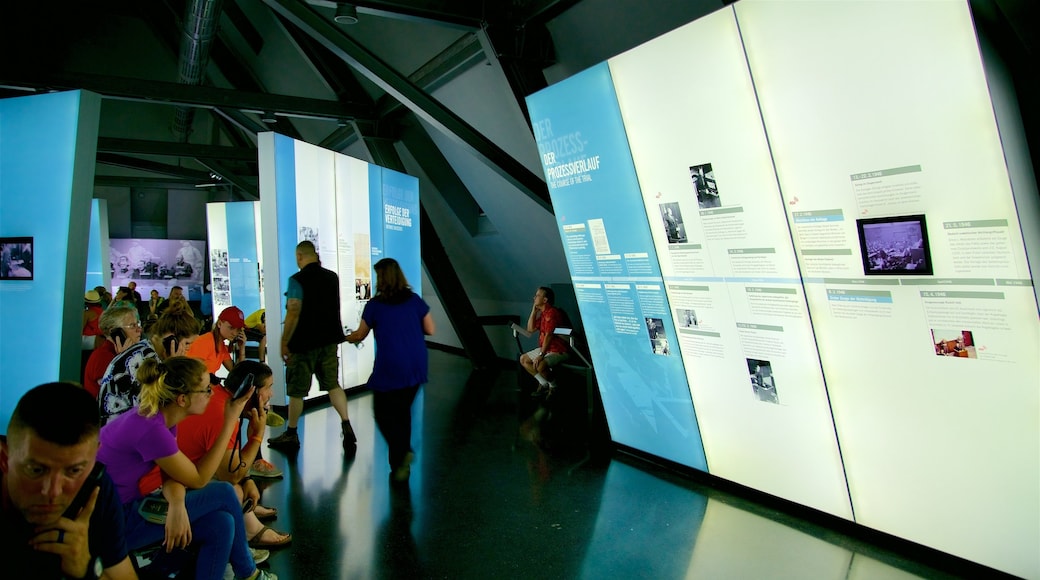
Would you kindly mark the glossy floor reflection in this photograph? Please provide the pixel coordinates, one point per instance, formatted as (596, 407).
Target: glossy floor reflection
(484, 501)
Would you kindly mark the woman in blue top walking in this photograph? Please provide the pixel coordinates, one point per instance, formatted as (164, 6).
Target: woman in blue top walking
(401, 321)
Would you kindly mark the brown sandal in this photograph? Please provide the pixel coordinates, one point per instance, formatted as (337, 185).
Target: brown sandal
(258, 543)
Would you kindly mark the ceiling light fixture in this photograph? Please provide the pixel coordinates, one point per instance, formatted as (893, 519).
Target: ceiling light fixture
(268, 117)
(345, 13)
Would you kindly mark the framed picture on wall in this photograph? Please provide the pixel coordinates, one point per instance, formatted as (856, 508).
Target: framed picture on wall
(894, 246)
(16, 258)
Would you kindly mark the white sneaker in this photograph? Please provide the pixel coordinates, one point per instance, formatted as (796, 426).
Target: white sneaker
(259, 555)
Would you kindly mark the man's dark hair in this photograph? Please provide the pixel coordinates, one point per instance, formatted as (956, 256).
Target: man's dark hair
(550, 296)
(60, 413)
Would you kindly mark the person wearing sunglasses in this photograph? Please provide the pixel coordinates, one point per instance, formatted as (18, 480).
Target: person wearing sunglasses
(208, 516)
(121, 329)
(171, 335)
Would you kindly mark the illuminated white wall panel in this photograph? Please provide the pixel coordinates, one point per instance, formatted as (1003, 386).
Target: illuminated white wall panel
(881, 109)
(718, 225)
(310, 193)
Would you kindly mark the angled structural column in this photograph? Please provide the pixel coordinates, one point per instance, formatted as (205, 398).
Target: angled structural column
(461, 314)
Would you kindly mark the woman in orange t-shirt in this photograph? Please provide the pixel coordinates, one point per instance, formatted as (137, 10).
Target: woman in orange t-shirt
(210, 347)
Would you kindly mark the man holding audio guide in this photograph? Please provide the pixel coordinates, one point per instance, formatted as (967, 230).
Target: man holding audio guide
(60, 514)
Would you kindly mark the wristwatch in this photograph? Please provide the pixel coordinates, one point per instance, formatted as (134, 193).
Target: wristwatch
(94, 570)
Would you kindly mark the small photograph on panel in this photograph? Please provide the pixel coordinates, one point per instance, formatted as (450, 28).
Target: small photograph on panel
(673, 222)
(658, 338)
(704, 185)
(687, 317)
(895, 246)
(16, 258)
(218, 260)
(222, 297)
(763, 384)
(955, 343)
(310, 234)
(222, 284)
(362, 288)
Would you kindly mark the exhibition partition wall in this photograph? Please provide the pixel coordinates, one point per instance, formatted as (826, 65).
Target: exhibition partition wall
(99, 271)
(47, 149)
(235, 256)
(820, 205)
(355, 213)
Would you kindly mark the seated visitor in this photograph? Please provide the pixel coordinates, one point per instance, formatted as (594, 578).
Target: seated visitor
(197, 434)
(256, 331)
(59, 520)
(551, 350)
(121, 329)
(209, 516)
(212, 347)
(171, 335)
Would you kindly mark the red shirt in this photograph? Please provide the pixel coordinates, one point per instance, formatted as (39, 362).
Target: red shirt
(97, 364)
(547, 323)
(195, 436)
(91, 328)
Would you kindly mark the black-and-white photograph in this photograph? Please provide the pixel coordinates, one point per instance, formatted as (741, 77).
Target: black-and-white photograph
(687, 317)
(310, 234)
(16, 258)
(222, 297)
(894, 245)
(674, 228)
(704, 185)
(658, 337)
(221, 284)
(218, 260)
(763, 384)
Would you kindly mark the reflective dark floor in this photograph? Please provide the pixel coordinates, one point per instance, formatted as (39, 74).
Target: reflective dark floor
(502, 490)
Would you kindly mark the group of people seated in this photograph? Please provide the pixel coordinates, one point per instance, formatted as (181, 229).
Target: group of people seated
(170, 441)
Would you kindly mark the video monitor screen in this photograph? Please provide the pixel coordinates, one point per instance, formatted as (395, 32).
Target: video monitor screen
(894, 246)
(16, 258)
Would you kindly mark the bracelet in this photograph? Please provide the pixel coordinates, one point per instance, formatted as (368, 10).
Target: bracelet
(258, 439)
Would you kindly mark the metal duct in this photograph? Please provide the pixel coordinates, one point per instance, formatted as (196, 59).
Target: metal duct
(200, 27)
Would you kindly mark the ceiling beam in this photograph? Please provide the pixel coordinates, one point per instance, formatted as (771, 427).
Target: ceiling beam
(193, 96)
(152, 167)
(171, 149)
(414, 98)
(468, 20)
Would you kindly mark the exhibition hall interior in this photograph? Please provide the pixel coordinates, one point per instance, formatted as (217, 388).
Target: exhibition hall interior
(793, 246)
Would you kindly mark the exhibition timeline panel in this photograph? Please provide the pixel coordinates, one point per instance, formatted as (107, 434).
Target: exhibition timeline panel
(904, 221)
(718, 227)
(235, 256)
(617, 278)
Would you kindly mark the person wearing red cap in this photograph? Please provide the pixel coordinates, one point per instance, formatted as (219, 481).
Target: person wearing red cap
(211, 347)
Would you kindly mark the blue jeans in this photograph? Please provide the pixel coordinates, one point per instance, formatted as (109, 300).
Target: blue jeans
(217, 530)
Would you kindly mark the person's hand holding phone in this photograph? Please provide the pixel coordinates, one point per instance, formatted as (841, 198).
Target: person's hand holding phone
(119, 339)
(235, 406)
(252, 494)
(69, 539)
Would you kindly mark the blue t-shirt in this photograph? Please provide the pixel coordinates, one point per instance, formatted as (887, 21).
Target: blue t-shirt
(401, 357)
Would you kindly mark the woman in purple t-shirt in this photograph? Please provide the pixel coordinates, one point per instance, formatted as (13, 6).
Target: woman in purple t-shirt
(209, 515)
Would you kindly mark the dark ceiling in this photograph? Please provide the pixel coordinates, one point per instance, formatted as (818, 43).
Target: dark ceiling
(194, 59)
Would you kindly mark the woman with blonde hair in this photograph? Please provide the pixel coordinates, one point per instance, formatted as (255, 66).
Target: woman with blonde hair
(170, 336)
(209, 515)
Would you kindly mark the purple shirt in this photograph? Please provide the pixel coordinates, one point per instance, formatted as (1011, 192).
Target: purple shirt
(130, 444)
